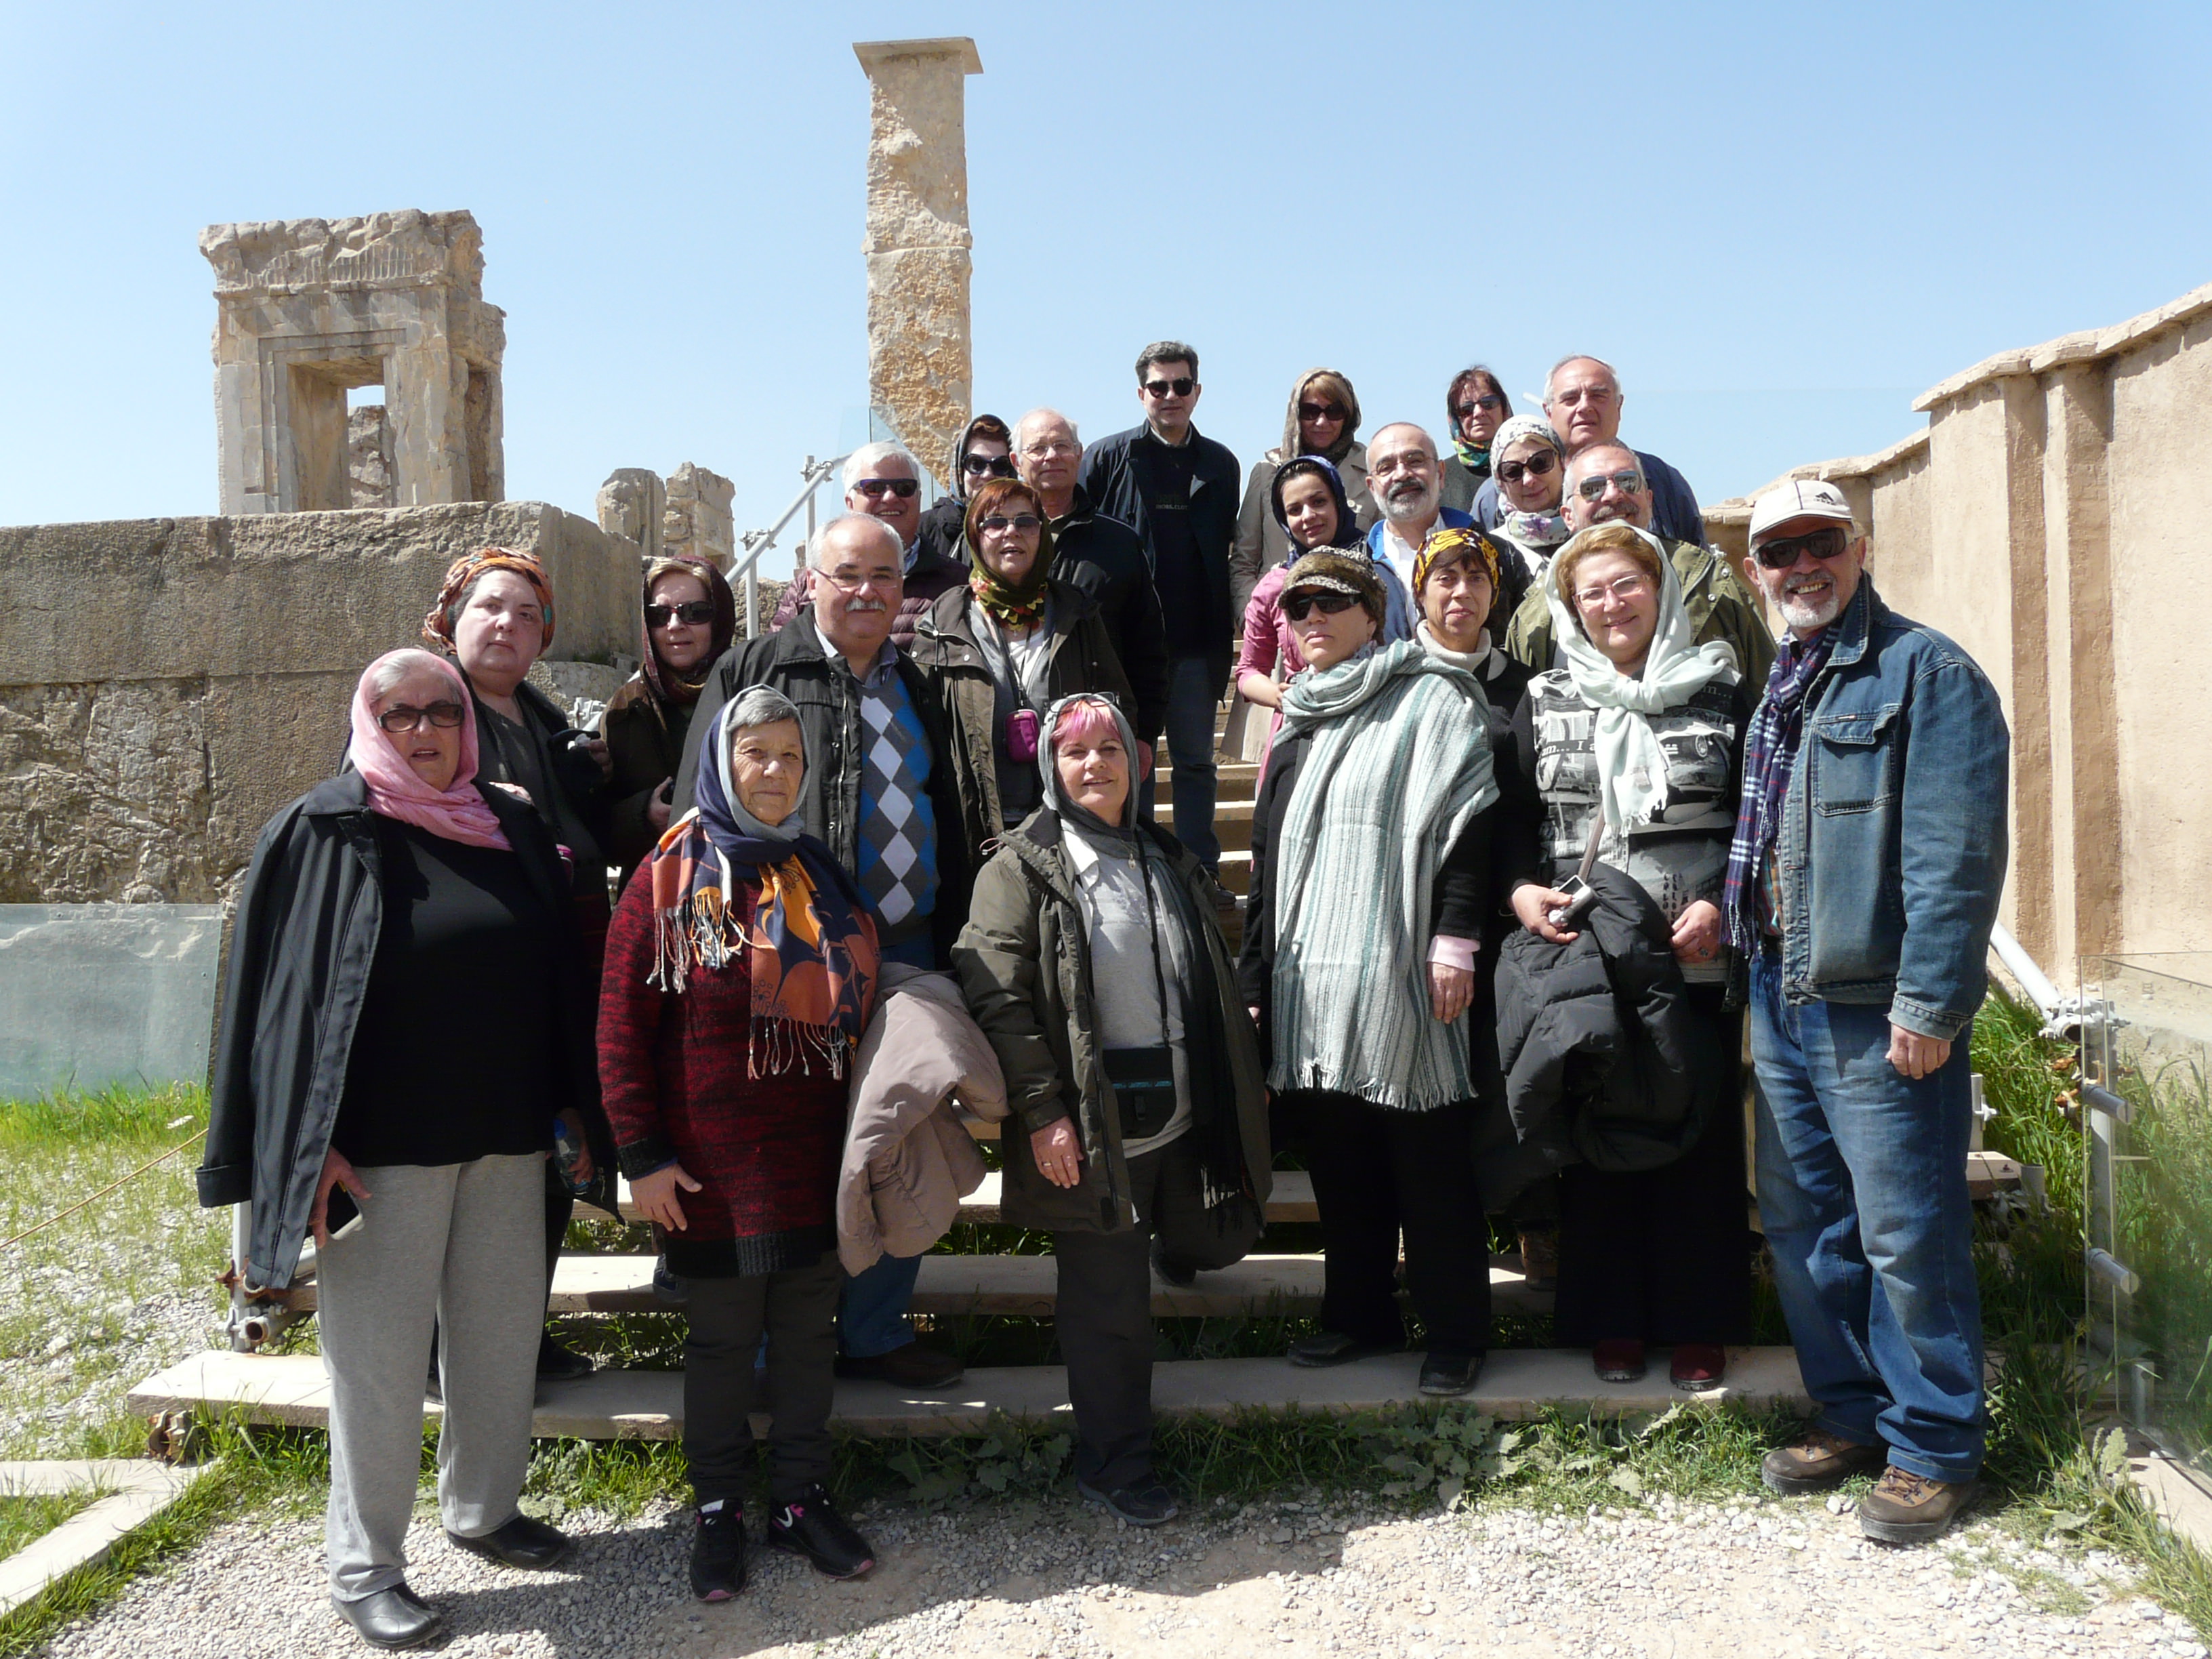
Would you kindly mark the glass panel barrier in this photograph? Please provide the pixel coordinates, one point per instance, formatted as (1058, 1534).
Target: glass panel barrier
(95, 995)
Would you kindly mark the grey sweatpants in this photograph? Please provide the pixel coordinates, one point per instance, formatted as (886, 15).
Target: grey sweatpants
(461, 1244)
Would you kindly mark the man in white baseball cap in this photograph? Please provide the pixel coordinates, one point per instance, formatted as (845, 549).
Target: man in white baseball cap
(1863, 882)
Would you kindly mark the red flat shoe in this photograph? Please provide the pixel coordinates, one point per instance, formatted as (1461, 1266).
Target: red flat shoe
(1698, 1364)
(1619, 1359)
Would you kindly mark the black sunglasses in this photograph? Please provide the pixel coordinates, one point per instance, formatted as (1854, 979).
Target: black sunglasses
(876, 488)
(1823, 544)
(1535, 466)
(1485, 402)
(400, 718)
(999, 523)
(1322, 412)
(694, 611)
(997, 466)
(1182, 387)
(1297, 605)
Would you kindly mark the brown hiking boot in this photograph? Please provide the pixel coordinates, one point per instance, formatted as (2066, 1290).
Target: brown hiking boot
(1817, 1463)
(1911, 1509)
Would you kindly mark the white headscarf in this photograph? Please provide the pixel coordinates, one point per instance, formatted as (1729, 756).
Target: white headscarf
(1632, 768)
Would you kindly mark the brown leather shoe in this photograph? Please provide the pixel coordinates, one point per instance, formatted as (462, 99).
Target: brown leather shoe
(910, 1366)
(1911, 1509)
(1818, 1463)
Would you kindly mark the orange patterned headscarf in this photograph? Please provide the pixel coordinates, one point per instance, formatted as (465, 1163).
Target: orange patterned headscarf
(461, 575)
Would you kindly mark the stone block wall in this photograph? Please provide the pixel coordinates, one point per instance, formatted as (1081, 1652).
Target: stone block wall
(166, 684)
(2042, 521)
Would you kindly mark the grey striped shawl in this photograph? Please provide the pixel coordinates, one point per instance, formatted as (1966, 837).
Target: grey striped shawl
(1398, 766)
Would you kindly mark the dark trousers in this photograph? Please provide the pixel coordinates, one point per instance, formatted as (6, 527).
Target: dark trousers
(1664, 1254)
(1378, 1172)
(560, 1205)
(798, 1311)
(1103, 1312)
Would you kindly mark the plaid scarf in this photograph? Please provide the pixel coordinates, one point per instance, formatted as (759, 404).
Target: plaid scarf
(812, 950)
(1770, 754)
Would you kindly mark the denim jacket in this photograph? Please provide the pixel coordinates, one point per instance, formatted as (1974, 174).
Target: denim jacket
(1891, 855)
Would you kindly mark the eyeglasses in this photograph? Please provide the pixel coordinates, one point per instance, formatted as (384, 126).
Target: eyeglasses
(1182, 387)
(1045, 448)
(1623, 588)
(400, 718)
(998, 524)
(997, 466)
(1488, 401)
(1574, 396)
(1537, 465)
(694, 611)
(1322, 412)
(876, 488)
(1298, 606)
(1824, 543)
(1627, 482)
(1411, 460)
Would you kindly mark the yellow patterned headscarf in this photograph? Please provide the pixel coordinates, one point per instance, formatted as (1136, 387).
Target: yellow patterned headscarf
(1453, 541)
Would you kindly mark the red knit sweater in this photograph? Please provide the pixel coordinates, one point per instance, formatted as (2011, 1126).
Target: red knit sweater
(672, 1072)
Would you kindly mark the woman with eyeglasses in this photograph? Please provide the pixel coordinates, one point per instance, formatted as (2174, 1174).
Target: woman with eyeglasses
(1370, 880)
(406, 1013)
(1000, 651)
(1475, 404)
(1639, 739)
(1309, 506)
(1323, 419)
(688, 617)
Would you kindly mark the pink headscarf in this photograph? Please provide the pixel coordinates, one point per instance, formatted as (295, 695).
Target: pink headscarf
(396, 791)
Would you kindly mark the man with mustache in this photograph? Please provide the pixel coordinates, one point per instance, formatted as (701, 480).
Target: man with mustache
(876, 791)
(1407, 482)
(1606, 481)
(1862, 883)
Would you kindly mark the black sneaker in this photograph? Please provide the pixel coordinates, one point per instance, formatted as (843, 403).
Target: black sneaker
(812, 1526)
(1147, 1504)
(718, 1552)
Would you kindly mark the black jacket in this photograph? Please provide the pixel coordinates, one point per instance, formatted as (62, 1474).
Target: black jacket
(1122, 477)
(1606, 1062)
(792, 660)
(309, 916)
(1104, 557)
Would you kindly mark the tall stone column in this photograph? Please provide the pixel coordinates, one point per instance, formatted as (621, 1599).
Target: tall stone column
(921, 368)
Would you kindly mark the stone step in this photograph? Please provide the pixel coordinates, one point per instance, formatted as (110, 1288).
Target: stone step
(1291, 1199)
(1025, 1287)
(618, 1405)
(1233, 780)
(1236, 870)
(1232, 823)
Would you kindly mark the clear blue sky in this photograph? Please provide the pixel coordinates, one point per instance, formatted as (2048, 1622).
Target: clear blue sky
(1781, 221)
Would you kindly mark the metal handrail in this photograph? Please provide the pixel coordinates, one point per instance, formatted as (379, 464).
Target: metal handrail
(758, 541)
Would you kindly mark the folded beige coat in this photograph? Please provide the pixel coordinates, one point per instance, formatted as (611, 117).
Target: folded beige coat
(908, 1158)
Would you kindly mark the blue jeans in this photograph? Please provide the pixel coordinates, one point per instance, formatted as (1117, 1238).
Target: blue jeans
(1194, 699)
(872, 1312)
(1862, 1189)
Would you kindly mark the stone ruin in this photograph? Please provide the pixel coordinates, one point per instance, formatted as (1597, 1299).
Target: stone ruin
(308, 309)
(686, 514)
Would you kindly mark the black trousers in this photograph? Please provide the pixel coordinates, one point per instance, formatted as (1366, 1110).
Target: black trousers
(798, 1310)
(1378, 1172)
(1102, 1312)
(1665, 1255)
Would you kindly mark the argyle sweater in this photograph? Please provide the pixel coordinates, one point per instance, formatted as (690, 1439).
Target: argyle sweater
(673, 1073)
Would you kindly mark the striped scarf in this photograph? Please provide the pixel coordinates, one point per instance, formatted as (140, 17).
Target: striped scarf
(1397, 767)
(1770, 754)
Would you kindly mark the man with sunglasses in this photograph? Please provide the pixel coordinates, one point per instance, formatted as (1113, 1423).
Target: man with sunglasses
(883, 481)
(1178, 490)
(1582, 399)
(1606, 481)
(983, 450)
(1863, 881)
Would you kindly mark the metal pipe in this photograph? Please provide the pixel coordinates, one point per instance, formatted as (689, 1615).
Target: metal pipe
(2102, 1099)
(2113, 1270)
(2032, 979)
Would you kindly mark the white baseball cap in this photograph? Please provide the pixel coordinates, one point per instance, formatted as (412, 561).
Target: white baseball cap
(1800, 498)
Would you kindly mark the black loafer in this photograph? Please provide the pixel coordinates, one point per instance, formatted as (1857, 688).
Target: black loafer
(1147, 1504)
(1336, 1348)
(394, 1618)
(558, 1364)
(1450, 1373)
(522, 1542)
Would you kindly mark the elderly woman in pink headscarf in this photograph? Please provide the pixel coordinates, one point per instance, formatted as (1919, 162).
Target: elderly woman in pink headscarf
(405, 1016)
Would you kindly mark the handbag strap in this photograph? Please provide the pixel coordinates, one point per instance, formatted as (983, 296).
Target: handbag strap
(1596, 839)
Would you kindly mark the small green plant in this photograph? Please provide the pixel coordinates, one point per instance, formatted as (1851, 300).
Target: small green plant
(1010, 1459)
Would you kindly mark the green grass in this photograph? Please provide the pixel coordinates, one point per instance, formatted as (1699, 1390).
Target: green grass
(34, 1516)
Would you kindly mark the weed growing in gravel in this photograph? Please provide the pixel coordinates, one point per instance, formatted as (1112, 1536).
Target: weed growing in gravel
(34, 1515)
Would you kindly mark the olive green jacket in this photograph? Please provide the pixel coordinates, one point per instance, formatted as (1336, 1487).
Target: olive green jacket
(1023, 961)
(1721, 608)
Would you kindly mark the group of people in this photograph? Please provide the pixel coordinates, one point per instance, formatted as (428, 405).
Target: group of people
(1544, 811)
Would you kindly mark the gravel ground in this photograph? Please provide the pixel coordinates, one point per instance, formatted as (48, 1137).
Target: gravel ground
(1760, 1577)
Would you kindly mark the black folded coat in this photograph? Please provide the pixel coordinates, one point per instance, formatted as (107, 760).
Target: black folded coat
(1605, 1061)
